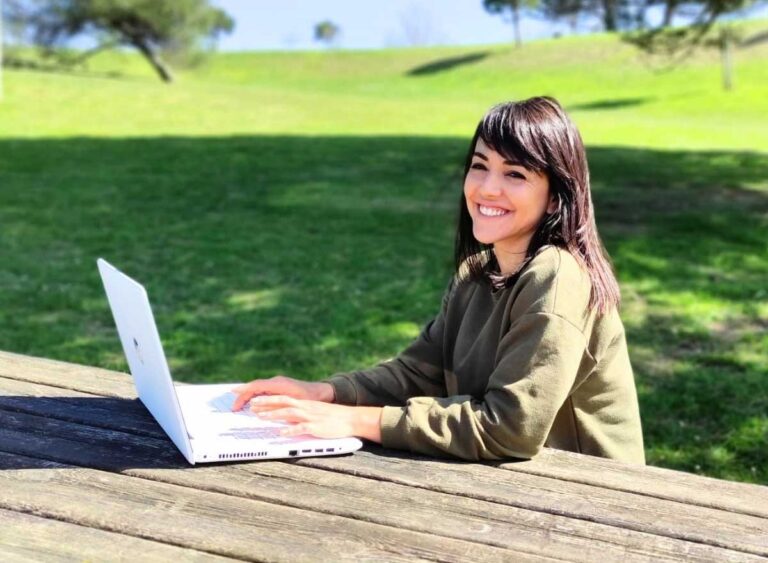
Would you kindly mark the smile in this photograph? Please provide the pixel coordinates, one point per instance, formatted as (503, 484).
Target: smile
(492, 211)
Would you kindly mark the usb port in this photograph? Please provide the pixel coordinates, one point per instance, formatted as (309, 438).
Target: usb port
(329, 449)
(306, 451)
(319, 451)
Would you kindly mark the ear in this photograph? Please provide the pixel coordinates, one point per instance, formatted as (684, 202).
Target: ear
(552, 207)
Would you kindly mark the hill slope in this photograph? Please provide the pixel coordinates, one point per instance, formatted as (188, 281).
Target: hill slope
(612, 91)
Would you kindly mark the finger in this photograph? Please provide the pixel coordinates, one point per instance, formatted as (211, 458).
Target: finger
(300, 429)
(242, 398)
(289, 414)
(258, 384)
(272, 400)
(248, 391)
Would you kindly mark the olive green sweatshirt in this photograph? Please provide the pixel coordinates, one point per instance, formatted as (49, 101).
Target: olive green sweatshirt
(499, 373)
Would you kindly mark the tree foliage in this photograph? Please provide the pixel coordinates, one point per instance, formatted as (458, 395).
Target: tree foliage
(156, 28)
(326, 31)
(613, 14)
(677, 43)
(649, 25)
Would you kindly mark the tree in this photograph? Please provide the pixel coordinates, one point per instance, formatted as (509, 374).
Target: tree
(153, 27)
(613, 14)
(511, 8)
(677, 43)
(326, 32)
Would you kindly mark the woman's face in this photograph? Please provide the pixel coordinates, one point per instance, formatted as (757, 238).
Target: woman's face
(505, 200)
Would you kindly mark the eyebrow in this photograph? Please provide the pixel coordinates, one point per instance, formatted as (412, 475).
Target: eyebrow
(485, 158)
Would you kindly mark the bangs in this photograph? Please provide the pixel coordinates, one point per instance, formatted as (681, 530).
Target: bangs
(510, 132)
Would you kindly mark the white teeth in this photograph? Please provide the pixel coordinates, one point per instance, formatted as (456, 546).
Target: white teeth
(491, 211)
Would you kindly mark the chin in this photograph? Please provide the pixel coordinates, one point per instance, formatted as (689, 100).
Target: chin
(484, 239)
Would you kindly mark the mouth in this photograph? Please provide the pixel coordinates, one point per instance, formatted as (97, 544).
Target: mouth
(487, 211)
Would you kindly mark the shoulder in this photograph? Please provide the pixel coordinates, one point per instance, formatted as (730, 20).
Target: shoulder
(553, 263)
(553, 282)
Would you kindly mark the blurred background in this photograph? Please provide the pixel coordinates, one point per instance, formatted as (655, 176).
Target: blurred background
(284, 178)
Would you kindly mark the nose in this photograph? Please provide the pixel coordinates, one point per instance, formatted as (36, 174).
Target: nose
(490, 186)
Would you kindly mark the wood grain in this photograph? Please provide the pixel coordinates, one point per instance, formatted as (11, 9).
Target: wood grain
(657, 482)
(24, 538)
(216, 523)
(607, 506)
(127, 415)
(67, 376)
(561, 505)
(342, 493)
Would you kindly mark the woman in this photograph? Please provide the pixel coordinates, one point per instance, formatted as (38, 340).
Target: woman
(527, 350)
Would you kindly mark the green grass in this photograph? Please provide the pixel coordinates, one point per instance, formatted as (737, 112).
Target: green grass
(293, 213)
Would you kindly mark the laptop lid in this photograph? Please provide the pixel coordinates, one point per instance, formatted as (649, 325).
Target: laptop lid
(142, 347)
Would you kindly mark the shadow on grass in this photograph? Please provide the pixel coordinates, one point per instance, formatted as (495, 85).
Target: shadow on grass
(610, 104)
(35, 65)
(267, 255)
(448, 63)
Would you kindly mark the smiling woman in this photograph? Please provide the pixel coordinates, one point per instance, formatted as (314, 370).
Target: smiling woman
(528, 349)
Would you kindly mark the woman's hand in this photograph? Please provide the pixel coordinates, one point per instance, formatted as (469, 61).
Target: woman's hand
(319, 418)
(281, 385)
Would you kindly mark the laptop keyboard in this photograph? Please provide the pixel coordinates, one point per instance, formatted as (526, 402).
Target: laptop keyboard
(224, 402)
(252, 433)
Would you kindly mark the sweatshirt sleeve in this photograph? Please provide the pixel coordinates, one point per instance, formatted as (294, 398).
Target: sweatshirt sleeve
(415, 372)
(537, 363)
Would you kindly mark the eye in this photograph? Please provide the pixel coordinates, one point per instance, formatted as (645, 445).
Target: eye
(516, 175)
(478, 166)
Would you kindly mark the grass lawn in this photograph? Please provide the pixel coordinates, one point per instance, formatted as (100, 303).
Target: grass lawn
(294, 213)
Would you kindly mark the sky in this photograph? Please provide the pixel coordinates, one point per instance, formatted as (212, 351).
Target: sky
(368, 24)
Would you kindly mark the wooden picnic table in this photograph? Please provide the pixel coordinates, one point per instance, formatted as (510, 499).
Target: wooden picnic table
(86, 474)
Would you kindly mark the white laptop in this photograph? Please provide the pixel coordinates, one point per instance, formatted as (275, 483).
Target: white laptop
(198, 418)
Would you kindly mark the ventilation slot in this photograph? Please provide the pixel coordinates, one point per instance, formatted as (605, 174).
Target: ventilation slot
(243, 455)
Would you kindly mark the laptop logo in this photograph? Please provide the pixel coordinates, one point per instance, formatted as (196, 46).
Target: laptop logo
(138, 352)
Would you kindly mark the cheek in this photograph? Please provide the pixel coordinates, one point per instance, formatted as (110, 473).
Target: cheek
(468, 190)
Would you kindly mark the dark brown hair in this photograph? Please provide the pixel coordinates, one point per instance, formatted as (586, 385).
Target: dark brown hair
(540, 135)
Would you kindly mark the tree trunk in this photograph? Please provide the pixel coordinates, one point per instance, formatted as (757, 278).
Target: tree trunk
(669, 12)
(609, 15)
(516, 23)
(154, 59)
(726, 52)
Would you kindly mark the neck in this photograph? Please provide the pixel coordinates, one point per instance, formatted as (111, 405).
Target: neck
(510, 254)
(509, 261)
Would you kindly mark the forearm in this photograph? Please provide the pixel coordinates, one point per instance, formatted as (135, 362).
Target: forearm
(391, 382)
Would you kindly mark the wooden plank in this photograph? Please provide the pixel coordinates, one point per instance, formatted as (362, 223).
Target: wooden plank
(66, 375)
(216, 523)
(744, 498)
(342, 494)
(459, 517)
(127, 415)
(51, 438)
(607, 474)
(24, 538)
(672, 519)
